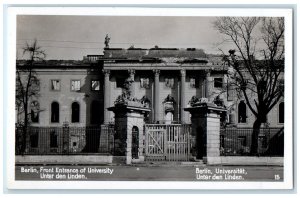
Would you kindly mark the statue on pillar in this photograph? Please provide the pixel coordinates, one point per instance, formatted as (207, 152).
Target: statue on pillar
(156, 72)
(182, 72)
(131, 73)
(127, 96)
(106, 41)
(106, 72)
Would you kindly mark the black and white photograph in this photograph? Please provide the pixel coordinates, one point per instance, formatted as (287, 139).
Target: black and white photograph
(146, 98)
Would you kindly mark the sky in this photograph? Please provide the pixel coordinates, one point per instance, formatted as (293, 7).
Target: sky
(72, 37)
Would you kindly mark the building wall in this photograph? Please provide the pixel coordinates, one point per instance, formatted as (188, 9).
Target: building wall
(273, 115)
(85, 96)
(65, 97)
(272, 118)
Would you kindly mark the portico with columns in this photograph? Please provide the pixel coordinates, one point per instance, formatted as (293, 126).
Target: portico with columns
(159, 79)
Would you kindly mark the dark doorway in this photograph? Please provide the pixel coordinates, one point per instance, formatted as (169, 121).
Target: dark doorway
(75, 112)
(96, 112)
(135, 143)
(200, 143)
(54, 112)
(281, 112)
(242, 112)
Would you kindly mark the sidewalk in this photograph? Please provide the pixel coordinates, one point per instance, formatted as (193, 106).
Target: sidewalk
(116, 160)
(158, 172)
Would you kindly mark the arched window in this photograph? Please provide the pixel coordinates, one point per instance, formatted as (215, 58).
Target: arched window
(95, 112)
(54, 112)
(75, 112)
(242, 112)
(281, 112)
(34, 111)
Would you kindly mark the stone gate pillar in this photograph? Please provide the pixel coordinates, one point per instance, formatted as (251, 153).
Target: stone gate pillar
(128, 118)
(206, 125)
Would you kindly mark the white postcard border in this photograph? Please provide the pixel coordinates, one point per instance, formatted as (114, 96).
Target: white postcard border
(10, 87)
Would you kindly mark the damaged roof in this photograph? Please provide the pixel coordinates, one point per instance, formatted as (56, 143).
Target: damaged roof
(155, 54)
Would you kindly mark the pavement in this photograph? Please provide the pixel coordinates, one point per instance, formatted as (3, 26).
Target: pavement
(149, 172)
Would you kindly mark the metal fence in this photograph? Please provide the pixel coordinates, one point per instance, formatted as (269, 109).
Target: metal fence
(237, 141)
(86, 140)
(66, 140)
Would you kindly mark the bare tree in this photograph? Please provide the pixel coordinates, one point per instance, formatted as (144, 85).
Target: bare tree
(257, 63)
(27, 85)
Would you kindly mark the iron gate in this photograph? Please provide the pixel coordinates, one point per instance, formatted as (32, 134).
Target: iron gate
(167, 142)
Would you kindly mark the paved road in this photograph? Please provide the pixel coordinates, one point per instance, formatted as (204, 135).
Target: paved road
(149, 173)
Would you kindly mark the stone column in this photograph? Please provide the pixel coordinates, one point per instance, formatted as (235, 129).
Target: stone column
(156, 95)
(208, 84)
(106, 95)
(131, 73)
(182, 95)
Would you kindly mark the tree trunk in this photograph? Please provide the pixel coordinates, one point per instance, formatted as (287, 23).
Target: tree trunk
(254, 138)
(24, 137)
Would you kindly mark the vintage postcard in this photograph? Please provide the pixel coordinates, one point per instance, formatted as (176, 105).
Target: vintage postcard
(144, 98)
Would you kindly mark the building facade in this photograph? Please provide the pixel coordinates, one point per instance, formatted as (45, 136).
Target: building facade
(80, 92)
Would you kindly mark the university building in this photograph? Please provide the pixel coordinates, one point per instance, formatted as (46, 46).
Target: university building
(77, 107)
(80, 92)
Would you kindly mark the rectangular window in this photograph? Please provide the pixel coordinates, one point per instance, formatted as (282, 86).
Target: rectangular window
(194, 82)
(75, 85)
(218, 82)
(34, 116)
(55, 85)
(34, 113)
(145, 83)
(95, 85)
(169, 82)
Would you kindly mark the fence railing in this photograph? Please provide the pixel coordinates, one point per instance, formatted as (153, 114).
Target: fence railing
(237, 141)
(80, 140)
(169, 127)
(66, 140)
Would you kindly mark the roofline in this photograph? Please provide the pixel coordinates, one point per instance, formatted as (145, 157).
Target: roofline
(59, 67)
